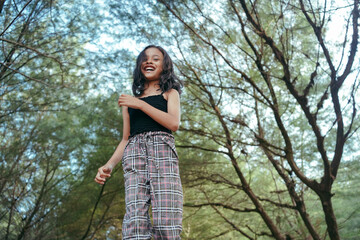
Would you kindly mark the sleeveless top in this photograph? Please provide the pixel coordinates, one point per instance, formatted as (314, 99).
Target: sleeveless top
(140, 122)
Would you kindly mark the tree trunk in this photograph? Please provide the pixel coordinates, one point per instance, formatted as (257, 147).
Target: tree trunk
(329, 216)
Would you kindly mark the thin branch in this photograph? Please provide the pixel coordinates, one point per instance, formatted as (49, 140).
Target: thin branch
(32, 49)
(202, 148)
(281, 205)
(26, 76)
(229, 222)
(93, 212)
(19, 14)
(193, 205)
(353, 46)
(220, 234)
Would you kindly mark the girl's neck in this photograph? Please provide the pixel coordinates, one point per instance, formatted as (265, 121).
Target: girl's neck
(152, 88)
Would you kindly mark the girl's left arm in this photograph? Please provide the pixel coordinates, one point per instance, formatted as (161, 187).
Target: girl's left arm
(170, 119)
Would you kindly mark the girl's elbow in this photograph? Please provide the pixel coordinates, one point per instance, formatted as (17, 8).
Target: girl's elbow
(174, 127)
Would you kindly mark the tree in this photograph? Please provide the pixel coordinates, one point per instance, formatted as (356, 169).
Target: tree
(42, 79)
(92, 211)
(274, 95)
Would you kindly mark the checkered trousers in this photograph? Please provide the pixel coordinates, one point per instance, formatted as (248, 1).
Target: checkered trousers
(151, 174)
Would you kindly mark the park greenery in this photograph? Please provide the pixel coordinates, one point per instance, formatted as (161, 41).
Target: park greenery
(268, 142)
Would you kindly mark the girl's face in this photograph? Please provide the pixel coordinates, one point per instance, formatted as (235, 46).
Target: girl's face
(152, 66)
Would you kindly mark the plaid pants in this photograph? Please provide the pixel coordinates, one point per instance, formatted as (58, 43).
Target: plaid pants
(151, 174)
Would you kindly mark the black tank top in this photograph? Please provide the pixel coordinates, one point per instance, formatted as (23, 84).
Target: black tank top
(141, 122)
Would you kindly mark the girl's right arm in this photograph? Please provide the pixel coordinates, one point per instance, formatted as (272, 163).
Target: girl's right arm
(104, 171)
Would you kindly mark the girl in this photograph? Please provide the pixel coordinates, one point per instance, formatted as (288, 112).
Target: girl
(147, 150)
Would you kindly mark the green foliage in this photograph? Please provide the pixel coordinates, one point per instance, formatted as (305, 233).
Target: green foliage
(87, 204)
(59, 120)
(43, 81)
(232, 73)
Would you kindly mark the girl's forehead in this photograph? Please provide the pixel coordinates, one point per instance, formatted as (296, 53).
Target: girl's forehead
(153, 52)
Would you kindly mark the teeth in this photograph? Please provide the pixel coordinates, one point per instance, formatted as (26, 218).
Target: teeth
(149, 69)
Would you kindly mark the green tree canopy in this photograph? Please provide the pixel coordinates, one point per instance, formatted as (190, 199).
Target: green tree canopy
(268, 142)
(272, 97)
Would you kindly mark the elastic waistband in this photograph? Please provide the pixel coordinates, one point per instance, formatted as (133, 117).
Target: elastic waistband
(151, 133)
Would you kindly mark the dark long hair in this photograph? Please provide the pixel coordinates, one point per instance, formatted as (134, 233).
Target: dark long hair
(168, 79)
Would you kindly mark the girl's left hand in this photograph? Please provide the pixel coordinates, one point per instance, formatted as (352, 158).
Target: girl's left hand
(129, 101)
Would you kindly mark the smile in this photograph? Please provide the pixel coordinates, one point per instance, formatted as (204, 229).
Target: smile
(149, 69)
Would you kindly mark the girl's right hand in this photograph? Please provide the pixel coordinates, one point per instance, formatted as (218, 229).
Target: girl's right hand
(103, 173)
(129, 101)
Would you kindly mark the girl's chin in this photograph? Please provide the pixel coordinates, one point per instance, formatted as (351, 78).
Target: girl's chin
(152, 78)
(151, 74)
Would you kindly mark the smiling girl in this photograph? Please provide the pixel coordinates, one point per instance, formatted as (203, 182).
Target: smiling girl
(147, 150)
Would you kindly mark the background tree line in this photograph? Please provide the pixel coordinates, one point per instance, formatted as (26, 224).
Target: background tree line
(268, 140)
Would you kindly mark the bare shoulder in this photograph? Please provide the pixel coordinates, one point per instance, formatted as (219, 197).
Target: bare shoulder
(171, 94)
